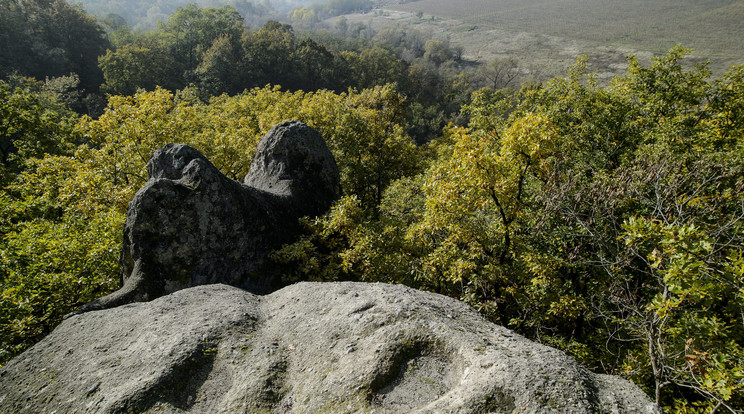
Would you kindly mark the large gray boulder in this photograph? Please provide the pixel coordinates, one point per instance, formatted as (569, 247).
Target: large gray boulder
(293, 163)
(307, 348)
(190, 225)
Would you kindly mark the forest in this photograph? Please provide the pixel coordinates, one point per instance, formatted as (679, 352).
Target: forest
(606, 220)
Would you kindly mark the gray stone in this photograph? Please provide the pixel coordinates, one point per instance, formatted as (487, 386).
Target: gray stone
(190, 225)
(293, 162)
(307, 348)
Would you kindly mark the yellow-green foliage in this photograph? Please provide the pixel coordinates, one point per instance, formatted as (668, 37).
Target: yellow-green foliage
(62, 216)
(606, 221)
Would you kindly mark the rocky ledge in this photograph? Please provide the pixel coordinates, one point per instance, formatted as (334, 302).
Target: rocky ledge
(307, 348)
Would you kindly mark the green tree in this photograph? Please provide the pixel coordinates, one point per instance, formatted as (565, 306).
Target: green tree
(50, 39)
(220, 69)
(642, 206)
(143, 64)
(604, 221)
(267, 53)
(33, 122)
(498, 73)
(437, 52)
(342, 25)
(377, 66)
(48, 266)
(304, 17)
(315, 67)
(193, 30)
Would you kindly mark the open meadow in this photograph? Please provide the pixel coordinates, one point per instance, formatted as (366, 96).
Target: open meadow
(548, 36)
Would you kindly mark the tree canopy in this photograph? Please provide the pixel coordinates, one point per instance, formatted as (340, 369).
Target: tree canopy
(605, 220)
(50, 39)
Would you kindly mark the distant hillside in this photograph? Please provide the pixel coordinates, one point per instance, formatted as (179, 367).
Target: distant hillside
(144, 14)
(547, 37)
(713, 27)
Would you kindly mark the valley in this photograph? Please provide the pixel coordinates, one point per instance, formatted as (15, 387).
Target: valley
(548, 37)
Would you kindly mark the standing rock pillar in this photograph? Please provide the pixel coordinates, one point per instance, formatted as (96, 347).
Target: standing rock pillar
(190, 225)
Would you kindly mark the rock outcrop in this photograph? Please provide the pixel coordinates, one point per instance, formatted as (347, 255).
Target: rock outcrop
(190, 225)
(307, 348)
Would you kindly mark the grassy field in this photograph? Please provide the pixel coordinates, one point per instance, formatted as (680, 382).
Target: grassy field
(548, 35)
(711, 26)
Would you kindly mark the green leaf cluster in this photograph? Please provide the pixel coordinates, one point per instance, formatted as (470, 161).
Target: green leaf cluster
(50, 39)
(62, 213)
(606, 221)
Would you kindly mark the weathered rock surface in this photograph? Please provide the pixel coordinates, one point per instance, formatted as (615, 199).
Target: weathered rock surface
(195, 225)
(307, 348)
(292, 162)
